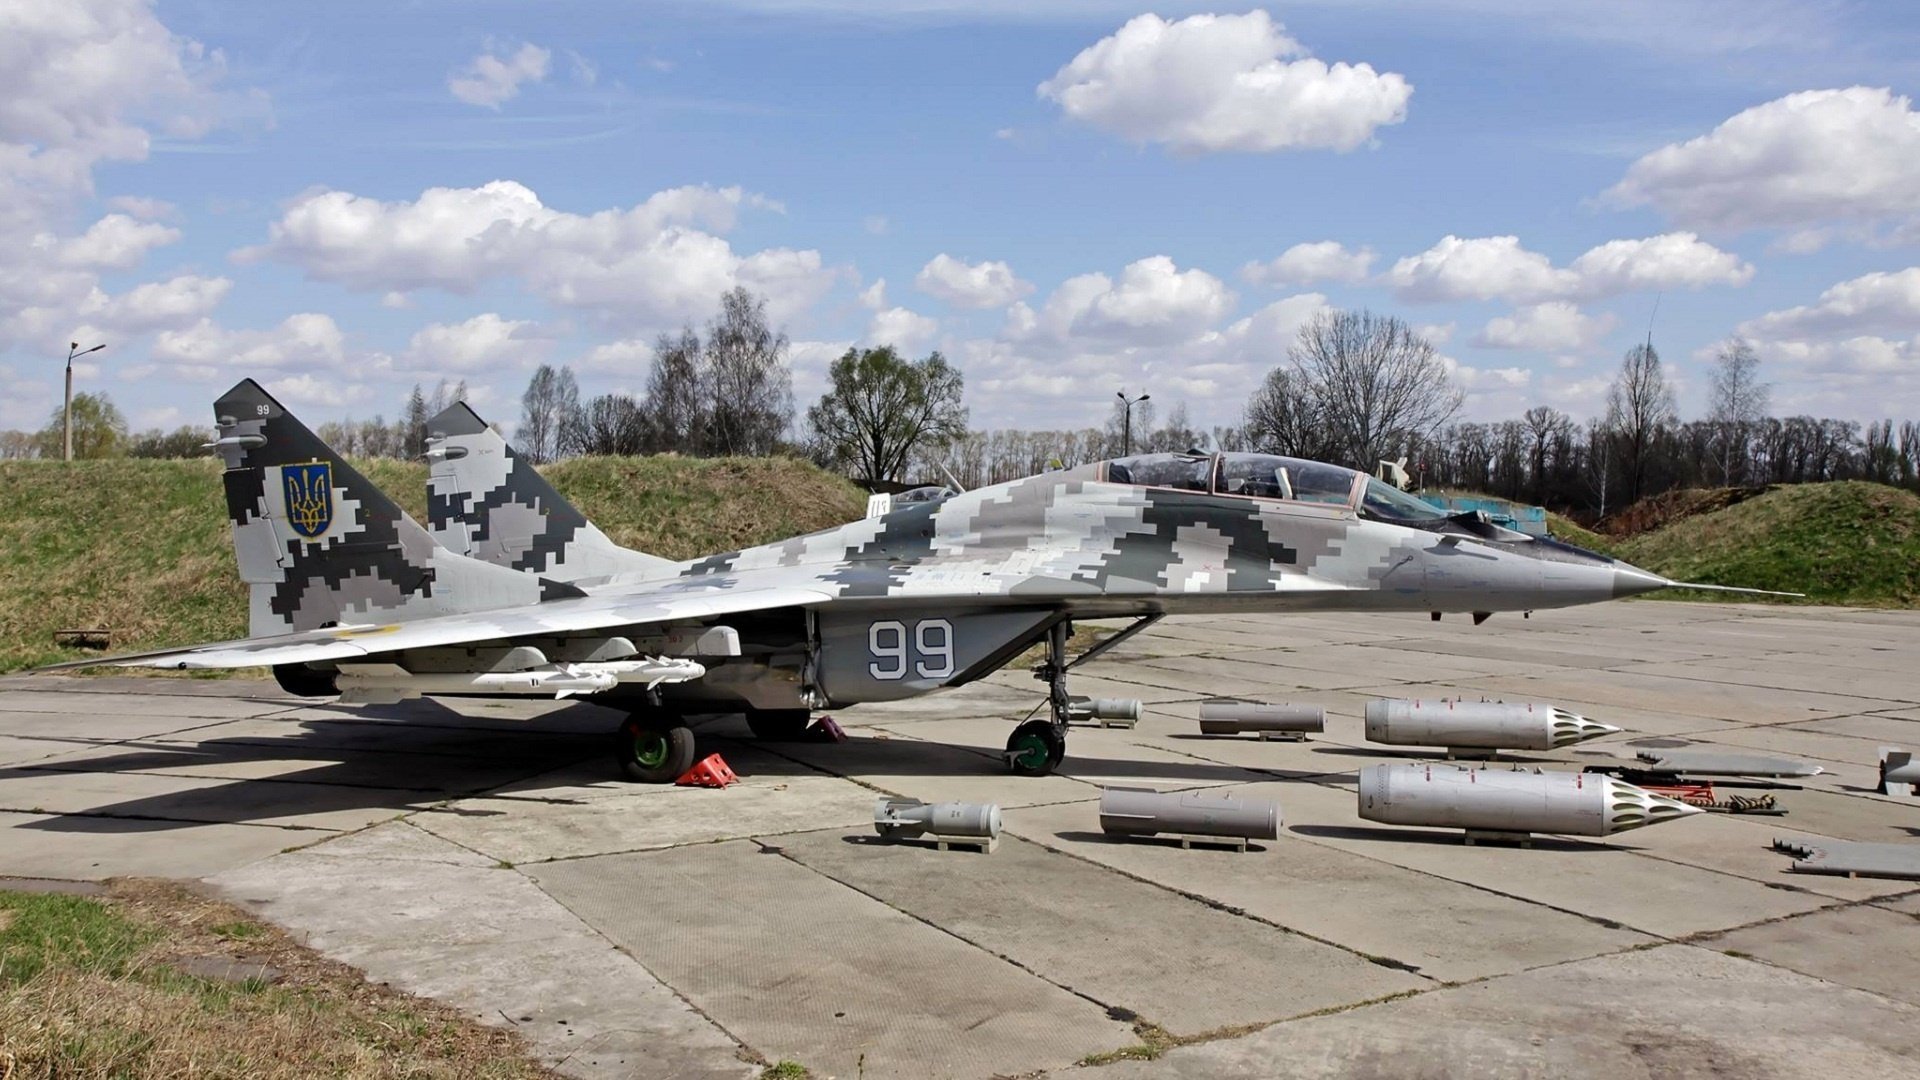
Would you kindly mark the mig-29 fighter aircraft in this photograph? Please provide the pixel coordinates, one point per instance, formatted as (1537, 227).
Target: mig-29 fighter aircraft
(515, 593)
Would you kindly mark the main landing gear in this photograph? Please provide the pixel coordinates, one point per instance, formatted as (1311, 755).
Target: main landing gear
(1036, 747)
(654, 746)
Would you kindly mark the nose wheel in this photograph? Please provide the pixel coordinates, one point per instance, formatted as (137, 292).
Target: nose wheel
(1036, 747)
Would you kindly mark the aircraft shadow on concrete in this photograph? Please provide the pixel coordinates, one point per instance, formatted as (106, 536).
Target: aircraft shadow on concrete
(916, 757)
(360, 761)
(412, 756)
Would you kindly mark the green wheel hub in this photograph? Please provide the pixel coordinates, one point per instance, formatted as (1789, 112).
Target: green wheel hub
(650, 748)
(1030, 752)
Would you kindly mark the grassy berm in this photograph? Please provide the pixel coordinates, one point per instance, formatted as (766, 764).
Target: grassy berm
(1849, 542)
(142, 547)
(151, 980)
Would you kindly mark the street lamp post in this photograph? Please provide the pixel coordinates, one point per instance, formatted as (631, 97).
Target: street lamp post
(1126, 419)
(66, 410)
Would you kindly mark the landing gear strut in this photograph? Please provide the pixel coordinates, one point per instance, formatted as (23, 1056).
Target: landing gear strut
(654, 747)
(1036, 747)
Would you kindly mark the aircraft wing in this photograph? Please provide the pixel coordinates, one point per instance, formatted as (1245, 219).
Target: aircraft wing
(673, 600)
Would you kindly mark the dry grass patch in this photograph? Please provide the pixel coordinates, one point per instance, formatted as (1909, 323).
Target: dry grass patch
(152, 980)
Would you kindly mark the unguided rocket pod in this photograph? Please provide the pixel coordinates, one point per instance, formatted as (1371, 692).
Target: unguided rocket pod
(1478, 725)
(1504, 801)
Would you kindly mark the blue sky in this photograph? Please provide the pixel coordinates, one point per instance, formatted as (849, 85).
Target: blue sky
(1066, 198)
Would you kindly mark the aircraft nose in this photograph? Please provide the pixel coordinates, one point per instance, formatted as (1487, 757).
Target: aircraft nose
(1633, 581)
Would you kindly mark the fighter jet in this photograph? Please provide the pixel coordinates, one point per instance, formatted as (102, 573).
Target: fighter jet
(521, 596)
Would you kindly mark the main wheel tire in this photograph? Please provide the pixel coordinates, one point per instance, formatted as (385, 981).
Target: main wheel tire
(778, 724)
(1034, 749)
(654, 751)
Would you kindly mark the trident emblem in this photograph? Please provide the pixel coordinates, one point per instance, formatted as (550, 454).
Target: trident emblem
(309, 497)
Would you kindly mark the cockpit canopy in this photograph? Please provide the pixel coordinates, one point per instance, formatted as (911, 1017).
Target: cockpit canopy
(1270, 476)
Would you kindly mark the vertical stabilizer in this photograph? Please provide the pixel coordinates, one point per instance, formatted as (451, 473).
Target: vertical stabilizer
(319, 545)
(488, 502)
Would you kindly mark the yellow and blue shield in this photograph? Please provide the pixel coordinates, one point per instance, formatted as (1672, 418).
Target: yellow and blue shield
(309, 490)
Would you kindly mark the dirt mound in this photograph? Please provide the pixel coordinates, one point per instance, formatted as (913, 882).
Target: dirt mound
(1668, 507)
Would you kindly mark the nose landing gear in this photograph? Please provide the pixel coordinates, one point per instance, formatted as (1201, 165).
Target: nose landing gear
(1036, 747)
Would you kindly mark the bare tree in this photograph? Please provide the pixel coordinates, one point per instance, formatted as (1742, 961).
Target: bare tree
(414, 420)
(612, 424)
(1377, 386)
(1282, 418)
(1739, 400)
(1639, 411)
(1546, 426)
(751, 390)
(880, 407)
(676, 406)
(539, 416)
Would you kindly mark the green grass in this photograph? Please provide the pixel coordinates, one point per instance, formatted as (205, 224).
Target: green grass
(142, 547)
(42, 930)
(1849, 542)
(95, 987)
(1561, 528)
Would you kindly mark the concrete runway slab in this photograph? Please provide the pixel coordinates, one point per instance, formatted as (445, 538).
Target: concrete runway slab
(483, 852)
(1846, 945)
(1159, 955)
(1670, 1011)
(1430, 926)
(809, 969)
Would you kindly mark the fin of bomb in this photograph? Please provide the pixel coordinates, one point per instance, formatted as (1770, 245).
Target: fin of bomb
(319, 545)
(485, 501)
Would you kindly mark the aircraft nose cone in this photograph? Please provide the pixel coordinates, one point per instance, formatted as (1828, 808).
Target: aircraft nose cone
(1633, 581)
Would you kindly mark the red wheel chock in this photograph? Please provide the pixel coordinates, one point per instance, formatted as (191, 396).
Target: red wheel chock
(709, 771)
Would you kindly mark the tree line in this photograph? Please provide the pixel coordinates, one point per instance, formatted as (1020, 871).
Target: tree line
(1355, 388)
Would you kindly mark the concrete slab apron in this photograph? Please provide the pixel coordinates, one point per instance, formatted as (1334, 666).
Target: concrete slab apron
(1439, 928)
(1184, 965)
(801, 967)
(1671, 1011)
(432, 919)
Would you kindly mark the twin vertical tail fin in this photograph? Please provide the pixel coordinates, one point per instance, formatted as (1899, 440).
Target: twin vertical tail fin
(487, 502)
(319, 545)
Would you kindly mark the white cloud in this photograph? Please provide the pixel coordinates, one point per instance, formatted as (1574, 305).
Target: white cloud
(83, 82)
(176, 301)
(970, 285)
(1499, 268)
(1879, 301)
(1482, 268)
(144, 208)
(1670, 261)
(115, 242)
(1153, 302)
(1305, 264)
(1481, 380)
(1815, 157)
(631, 357)
(307, 340)
(484, 343)
(905, 330)
(874, 296)
(489, 80)
(1437, 334)
(314, 390)
(656, 263)
(1555, 325)
(1224, 82)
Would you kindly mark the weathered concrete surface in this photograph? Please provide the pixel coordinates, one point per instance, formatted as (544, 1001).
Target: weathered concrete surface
(807, 969)
(1172, 979)
(433, 919)
(483, 852)
(1670, 1011)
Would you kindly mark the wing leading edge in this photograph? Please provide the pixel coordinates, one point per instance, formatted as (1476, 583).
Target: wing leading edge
(670, 602)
